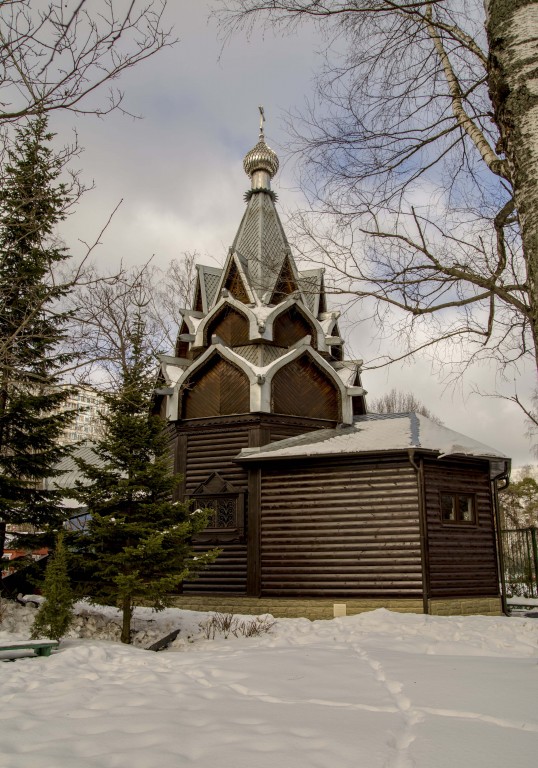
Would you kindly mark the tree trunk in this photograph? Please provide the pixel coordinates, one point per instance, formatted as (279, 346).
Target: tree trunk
(512, 28)
(3, 404)
(127, 609)
(2, 539)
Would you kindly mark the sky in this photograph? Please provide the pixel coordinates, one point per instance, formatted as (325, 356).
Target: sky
(377, 690)
(178, 174)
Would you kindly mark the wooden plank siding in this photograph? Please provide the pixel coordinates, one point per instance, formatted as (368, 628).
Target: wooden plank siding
(340, 529)
(303, 389)
(462, 557)
(230, 325)
(218, 388)
(291, 326)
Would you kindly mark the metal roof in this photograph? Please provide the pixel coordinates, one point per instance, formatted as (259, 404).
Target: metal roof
(376, 433)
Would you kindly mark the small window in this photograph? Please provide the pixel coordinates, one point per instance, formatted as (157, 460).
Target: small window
(457, 508)
(226, 519)
(224, 511)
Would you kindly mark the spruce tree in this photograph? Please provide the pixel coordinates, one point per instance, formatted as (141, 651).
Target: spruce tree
(55, 615)
(136, 546)
(32, 203)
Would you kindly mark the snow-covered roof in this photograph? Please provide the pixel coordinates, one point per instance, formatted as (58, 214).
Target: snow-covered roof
(376, 432)
(347, 372)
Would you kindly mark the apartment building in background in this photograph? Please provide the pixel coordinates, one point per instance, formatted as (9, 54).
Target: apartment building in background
(88, 405)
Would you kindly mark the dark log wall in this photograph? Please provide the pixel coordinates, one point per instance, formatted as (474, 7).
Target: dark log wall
(207, 451)
(281, 431)
(303, 389)
(291, 326)
(340, 529)
(462, 557)
(217, 389)
(206, 447)
(230, 325)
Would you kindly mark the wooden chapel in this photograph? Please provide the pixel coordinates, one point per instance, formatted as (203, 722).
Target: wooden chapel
(314, 500)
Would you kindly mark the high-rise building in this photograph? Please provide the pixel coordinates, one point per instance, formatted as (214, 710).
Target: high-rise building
(88, 405)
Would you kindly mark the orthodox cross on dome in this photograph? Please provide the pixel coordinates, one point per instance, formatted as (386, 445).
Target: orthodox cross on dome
(262, 121)
(261, 163)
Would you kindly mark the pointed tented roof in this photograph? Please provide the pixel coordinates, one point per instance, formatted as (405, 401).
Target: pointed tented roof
(261, 242)
(206, 287)
(311, 282)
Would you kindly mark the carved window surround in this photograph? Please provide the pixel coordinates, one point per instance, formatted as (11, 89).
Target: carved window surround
(227, 521)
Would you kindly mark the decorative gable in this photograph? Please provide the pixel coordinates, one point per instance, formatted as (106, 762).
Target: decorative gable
(226, 505)
(215, 483)
(285, 284)
(233, 283)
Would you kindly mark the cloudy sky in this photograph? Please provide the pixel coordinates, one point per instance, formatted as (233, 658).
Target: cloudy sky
(178, 172)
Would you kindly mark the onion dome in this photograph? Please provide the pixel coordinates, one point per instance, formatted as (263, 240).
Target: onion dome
(261, 158)
(261, 163)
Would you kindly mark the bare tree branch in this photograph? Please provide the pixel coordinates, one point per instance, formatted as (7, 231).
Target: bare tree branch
(58, 54)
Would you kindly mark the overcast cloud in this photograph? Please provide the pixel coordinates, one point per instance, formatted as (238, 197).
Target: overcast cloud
(179, 173)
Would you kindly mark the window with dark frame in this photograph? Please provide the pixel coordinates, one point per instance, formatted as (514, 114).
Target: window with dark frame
(457, 507)
(224, 510)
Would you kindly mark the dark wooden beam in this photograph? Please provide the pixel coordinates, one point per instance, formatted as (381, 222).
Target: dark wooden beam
(253, 533)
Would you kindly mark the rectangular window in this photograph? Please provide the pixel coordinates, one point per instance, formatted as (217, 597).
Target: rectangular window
(457, 508)
(226, 517)
(224, 510)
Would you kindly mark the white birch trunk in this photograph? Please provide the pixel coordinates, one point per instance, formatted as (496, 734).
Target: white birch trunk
(512, 27)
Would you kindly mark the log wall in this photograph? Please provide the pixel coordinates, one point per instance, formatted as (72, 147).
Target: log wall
(340, 528)
(462, 557)
(210, 445)
(209, 450)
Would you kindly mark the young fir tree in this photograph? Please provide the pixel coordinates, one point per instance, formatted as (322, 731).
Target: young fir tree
(136, 546)
(55, 615)
(32, 202)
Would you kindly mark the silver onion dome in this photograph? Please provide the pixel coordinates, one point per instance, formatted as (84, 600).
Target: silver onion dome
(261, 158)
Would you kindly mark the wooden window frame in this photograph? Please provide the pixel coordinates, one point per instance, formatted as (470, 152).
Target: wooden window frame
(458, 521)
(213, 534)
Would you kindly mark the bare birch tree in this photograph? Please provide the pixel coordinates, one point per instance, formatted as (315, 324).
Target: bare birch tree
(420, 152)
(401, 402)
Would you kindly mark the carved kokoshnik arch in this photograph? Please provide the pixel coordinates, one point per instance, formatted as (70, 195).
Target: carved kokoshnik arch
(293, 324)
(229, 324)
(216, 388)
(262, 322)
(234, 280)
(221, 382)
(303, 388)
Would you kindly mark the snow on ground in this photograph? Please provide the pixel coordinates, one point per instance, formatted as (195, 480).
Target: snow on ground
(376, 690)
